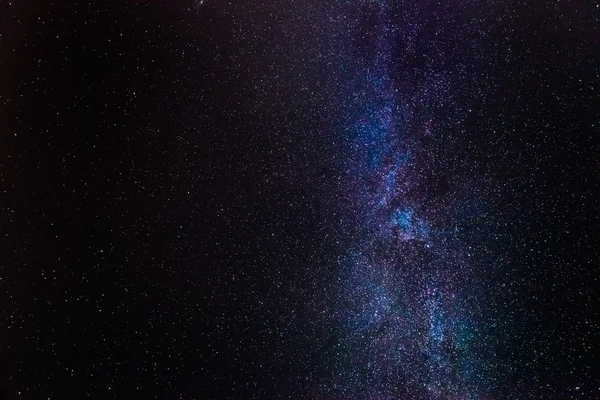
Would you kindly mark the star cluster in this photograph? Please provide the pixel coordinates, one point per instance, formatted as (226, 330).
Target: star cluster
(409, 286)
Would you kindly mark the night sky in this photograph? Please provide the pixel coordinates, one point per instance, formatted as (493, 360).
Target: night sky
(333, 200)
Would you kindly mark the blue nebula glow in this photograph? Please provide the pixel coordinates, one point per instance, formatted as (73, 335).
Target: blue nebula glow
(403, 317)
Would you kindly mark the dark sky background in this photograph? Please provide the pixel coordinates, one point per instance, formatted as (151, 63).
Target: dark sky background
(172, 202)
